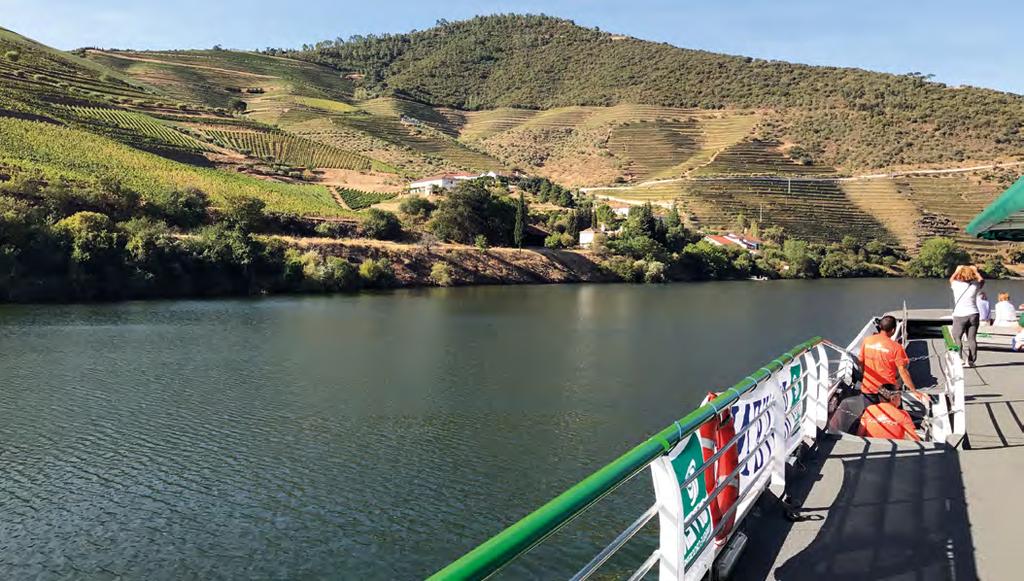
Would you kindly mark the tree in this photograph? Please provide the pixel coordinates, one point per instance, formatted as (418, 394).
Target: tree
(775, 235)
(994, 267)
(381, 225)
(707, 261)
(641, 221)
(654, 272)
(481, 243)
(520, 227)
(850, 243)
(799, 259)
(417, 208)
(876, 248)
(755, 229)
(238, 106)
(185, 208)
(147, 245)
(739, 225)
(470, 210)
(94, 246)
(244, 214)
(1016, 254)
(338, 274)
(672, 220)
(938, 258)
(639, 247)
(91, 237)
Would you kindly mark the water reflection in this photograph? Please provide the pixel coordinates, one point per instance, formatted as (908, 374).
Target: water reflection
(378, 435)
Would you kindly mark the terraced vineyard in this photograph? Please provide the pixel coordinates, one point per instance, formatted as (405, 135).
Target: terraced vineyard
(292, 150)
(214, 77)
(947, 204)
(80, 156)
(643, 141)
(424, 140)
(406, 161)
(654, 147)
(412, 111)
(755, 157)
(359, 200)
(812, 210)
(324, 104)
(39, 76)
(475, 125)
(136, 125)
(895, 210)
(903, 210)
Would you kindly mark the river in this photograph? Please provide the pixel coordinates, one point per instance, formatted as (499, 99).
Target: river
(367, 436)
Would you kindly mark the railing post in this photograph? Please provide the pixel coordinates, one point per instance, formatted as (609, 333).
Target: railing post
(779, 437)
(956, 390)
(824, 385)
(808, 425)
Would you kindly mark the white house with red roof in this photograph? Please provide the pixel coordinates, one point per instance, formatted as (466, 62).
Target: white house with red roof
(445, 181)
(748, 243)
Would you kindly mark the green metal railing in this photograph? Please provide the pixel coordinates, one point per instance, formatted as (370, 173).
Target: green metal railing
(948, 336)
(499, 550)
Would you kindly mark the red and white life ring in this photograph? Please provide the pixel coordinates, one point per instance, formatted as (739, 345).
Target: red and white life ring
(714, 435)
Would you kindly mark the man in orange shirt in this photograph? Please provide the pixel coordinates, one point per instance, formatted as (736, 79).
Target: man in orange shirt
(886, 419)
(882, 358)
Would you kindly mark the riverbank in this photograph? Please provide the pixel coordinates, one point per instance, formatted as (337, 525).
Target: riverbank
(411, 264)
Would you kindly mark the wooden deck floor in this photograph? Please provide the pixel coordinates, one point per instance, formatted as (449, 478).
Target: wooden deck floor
(877, 509)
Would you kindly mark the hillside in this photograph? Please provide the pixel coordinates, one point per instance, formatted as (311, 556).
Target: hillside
(718, 135)
(849, 118)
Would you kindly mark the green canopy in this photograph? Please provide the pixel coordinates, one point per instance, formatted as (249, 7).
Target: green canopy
(1003, 219)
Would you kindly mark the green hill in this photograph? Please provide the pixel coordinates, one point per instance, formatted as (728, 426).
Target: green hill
(849, 118)
(579, 106)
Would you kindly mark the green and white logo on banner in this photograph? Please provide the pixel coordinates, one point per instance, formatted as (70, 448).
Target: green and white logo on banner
(797, 385)
(698, 534)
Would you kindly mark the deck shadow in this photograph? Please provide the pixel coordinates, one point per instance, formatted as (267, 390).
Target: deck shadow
(921, 371)
(768, 527)
(899, 513)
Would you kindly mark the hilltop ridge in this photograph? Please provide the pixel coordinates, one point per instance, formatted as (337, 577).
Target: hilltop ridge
(539, 62)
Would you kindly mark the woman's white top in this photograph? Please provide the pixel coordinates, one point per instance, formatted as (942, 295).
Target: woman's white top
(966, 296)
(1005, 313)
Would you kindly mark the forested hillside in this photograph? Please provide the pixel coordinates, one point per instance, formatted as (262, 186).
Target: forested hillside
(850, 118)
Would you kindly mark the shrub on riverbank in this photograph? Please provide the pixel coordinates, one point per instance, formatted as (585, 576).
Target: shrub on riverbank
(938, 258)
(60, 242)
(441, 274)
(381, 225)
(376, 273)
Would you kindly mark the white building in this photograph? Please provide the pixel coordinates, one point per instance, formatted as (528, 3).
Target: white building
(445, 181)
(587, 237)
(749, 242)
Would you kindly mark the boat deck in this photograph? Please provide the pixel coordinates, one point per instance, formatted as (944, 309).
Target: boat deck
(879, 509)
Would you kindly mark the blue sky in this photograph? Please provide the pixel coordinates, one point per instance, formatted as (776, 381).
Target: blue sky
(974, 43)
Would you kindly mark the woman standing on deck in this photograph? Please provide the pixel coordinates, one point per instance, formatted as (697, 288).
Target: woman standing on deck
(966, 282)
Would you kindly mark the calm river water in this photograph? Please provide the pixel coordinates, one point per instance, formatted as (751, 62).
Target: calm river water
(370, 436)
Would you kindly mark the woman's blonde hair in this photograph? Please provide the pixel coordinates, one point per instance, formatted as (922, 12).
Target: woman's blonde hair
(1004, 296)
(966, 274)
